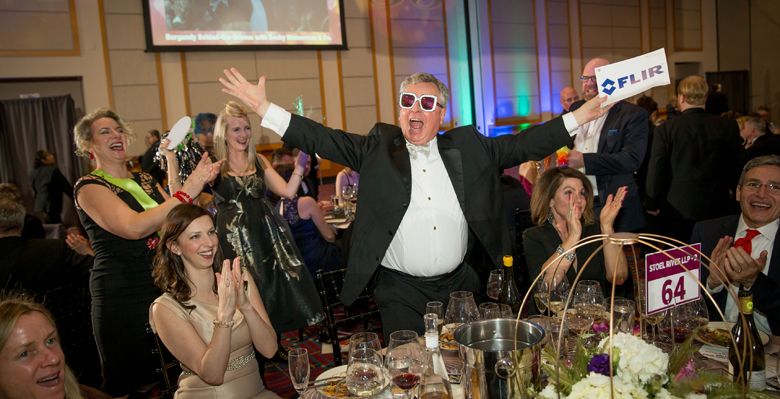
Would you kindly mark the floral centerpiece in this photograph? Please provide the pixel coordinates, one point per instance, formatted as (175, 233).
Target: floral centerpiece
(639, 369)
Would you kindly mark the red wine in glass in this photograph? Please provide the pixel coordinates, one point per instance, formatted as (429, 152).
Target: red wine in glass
(406, 381)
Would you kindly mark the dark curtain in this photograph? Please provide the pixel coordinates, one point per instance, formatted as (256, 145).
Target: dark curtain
(29, 125)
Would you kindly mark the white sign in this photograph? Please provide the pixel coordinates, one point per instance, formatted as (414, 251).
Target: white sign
(668, 283)
(630, 77)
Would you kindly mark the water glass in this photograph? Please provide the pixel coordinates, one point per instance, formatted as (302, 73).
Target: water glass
(437, 308)
(365, 375)
(489, 310)
(298, 363)
(364, 340)
(623, 313)
(495, 280)
(461, 309)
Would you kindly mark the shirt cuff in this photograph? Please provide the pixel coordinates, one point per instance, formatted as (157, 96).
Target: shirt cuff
(277, 119)
(570, 122)
(714, 290)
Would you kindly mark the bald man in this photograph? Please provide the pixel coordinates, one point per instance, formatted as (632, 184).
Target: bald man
(610, 149)
(568, 97)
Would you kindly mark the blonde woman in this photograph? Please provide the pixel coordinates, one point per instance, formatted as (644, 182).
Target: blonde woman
(250, 228)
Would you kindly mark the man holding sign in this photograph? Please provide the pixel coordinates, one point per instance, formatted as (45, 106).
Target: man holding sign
(749, 260)
(610, 149)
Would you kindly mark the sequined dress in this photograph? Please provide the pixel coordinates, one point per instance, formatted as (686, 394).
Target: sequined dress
(248, 226)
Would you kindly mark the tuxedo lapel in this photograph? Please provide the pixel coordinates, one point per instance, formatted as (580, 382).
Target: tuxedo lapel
(453, 162)
(400, 156)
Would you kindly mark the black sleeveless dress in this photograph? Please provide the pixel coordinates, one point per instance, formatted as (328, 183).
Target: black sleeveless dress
(249, 227)
(122, 289)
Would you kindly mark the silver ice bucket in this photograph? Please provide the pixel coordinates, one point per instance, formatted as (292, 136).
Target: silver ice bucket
(500, 358)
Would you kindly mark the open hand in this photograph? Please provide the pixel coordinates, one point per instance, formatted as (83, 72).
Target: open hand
(573, 221)
(226, 287)
(591, 110)
(742, 268)
(718, 262)
(254, 96)
(242, 288)
(611, 209)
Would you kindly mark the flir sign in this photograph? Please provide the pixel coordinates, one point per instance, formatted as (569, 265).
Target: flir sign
(630, 77)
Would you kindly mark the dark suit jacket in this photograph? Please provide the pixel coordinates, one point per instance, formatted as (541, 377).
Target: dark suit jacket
(622, 147)
(766, 144)
(694, 166)
(766, 287)
(38, 266)
(471, 159)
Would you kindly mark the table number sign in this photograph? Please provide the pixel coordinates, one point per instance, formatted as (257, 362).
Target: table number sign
(668, 283)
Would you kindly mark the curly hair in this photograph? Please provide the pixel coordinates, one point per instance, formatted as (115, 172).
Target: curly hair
(13, 307)
(168, 270)
(82, 132)
(545, 189)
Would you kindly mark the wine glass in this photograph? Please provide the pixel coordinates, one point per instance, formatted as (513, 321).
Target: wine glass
(541, 296)
(623, 312)
(682, 320)
(650, 319)
(364, 340)
(489, 310)
(405, 364)
(461, 309)
(365, 376)
(589, 301)
(495, 280)
(559, 292)
(348, 192)
(401, 338)
(298, 362)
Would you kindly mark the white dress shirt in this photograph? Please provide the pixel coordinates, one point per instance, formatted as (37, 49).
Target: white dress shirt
(761, 242)
(433, 235)
(587, 142)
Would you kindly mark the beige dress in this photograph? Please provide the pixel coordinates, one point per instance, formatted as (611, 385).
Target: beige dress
(242, 378)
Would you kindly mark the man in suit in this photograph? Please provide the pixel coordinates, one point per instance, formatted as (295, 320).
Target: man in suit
(424, 198)
(148, 164)
(694, 164)
(754, 265)
(610, 149)
(758, 141)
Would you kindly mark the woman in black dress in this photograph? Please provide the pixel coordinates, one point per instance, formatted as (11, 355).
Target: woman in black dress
(249, 227)
(562, 209)
(121, 212)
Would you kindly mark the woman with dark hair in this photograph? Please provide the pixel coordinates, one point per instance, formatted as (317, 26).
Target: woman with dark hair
(562, 209)
(121, 212)
(196, 317)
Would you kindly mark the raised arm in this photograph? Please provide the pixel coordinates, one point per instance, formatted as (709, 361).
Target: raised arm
(113, 214)
(252, 95)
(277, 184)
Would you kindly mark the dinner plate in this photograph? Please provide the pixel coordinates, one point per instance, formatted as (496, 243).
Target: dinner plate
(336, 220)
(727, 326)
(340, 371)
(179, 131)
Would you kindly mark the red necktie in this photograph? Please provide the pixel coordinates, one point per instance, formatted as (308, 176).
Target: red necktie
(746, 241)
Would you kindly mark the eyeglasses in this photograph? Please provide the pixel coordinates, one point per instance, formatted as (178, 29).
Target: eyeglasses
(585, 78)
(773, 188)
(427, 102)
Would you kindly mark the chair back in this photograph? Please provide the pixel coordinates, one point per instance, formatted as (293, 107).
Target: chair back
(169, 369)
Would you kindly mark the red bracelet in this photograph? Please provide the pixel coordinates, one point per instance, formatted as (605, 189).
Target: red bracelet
(183, 197)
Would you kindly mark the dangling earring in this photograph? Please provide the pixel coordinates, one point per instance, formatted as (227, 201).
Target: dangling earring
(550, 217)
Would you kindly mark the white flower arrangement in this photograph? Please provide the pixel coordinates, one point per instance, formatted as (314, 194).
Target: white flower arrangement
(639, 362)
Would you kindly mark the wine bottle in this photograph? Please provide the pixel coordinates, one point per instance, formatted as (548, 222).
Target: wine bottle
(435, 384)
(510, 295)
(753, 370)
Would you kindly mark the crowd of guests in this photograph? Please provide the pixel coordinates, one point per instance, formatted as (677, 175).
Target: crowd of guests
(221, 263)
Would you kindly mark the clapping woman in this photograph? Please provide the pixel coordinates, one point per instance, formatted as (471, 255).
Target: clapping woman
(562, 209)
(211, 321)
(121, 212)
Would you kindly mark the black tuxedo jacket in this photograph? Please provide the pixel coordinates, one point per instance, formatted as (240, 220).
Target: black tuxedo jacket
(472, 160)
(38, 266)
(694, 166)
(622, 147)
(766, 287)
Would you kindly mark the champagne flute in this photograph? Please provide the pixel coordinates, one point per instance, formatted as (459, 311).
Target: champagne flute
(365, 376)
(494, 283)
(541, 296)
(298, 362)
(559, 292)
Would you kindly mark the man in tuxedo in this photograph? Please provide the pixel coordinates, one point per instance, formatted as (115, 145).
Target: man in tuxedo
(694, 164)
(749, 260)
(424, 199)
(610, 149)
(758, 141)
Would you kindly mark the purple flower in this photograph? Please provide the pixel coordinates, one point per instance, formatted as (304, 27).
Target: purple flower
(599, 364)
(688, 370)
(600, 327)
